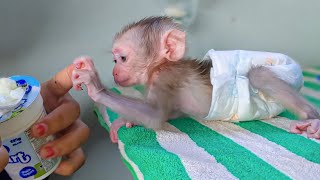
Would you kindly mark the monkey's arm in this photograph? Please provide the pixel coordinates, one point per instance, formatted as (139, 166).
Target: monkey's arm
(149, 113)
(268, 83)
(141, 112)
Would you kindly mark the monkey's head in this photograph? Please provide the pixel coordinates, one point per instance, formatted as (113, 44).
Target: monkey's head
(139, 48)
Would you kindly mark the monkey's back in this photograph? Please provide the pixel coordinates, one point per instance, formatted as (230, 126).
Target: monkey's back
(188, 81)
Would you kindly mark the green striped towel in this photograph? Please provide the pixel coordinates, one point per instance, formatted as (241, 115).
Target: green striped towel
(190, 149)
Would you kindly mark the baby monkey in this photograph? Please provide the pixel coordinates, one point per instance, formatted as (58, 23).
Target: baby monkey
(225, 85)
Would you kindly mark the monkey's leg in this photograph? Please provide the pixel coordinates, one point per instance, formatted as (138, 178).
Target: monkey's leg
(176, 114)
(268, 83)
(116, 125)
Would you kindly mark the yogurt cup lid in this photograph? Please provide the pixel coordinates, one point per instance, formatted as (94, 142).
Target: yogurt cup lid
(32, 90)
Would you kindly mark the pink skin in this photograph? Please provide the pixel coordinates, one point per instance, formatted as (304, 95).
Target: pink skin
(116, 125)
(124, 73)
(311, 126)
(120, 72)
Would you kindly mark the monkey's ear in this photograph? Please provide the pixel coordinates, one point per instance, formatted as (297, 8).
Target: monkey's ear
(174, 44)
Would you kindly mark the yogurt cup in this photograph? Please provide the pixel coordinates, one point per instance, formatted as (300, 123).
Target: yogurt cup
(15, 131)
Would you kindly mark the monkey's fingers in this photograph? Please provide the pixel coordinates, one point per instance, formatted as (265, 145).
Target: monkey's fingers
(115, 126)
(314, 135)
(298, 127)
(313, 130)
(84, 62)
(129, 124)
(80, 77)
(114, 136)
(76, 85)
(90, 79)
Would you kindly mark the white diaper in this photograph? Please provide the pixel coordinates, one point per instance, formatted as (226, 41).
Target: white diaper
(233, 98)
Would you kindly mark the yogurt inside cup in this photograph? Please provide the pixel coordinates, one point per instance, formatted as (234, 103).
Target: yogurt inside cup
(21, 105)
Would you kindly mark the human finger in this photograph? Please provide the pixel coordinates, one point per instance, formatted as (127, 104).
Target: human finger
(72, 163)
(4, 157)
(60, 118)
(72, 138)
(60, 84)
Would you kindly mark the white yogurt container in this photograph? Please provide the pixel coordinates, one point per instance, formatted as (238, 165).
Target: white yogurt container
(24, 159)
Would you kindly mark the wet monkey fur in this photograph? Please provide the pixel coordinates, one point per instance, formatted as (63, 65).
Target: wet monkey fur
(151, 52)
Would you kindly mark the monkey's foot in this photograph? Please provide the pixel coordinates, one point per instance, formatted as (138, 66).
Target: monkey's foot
(116, 125)
(310, 126)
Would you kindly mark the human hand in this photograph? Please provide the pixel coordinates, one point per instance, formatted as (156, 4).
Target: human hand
(63, 122)
(4, 157)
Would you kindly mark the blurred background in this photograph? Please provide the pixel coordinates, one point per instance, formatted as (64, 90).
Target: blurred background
(39, 38)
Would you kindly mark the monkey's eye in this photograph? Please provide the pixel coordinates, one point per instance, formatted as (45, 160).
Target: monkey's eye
(123, 58)
(115, 61)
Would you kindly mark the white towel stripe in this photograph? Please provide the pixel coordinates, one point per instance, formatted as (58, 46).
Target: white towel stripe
(198, 163)
(102, 110)
(313, 80)
(132, 164)
(294, 166)
(284, 123)
(310, 92)
(179, 143)
(312, 70)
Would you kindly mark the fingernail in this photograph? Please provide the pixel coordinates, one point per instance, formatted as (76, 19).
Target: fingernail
(41, 129)
(49, 152)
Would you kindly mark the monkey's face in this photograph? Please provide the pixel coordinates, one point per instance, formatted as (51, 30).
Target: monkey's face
(129, 68)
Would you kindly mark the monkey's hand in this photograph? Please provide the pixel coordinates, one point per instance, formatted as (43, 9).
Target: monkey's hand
(85, 73)
(118, 123)
(310, 126)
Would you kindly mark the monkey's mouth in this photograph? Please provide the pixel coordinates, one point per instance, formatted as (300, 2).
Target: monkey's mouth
(125, 82)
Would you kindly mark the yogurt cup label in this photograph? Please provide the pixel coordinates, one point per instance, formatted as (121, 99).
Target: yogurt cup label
(24, 159)
(15, 129)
